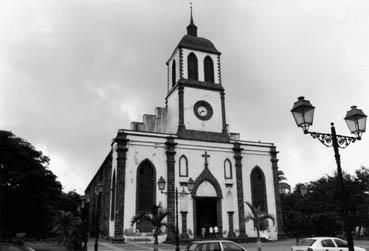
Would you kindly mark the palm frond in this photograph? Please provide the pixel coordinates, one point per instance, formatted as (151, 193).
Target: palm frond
(249, 218)
(266, 217)
(155, 217)
(254, 210)
(140, 216)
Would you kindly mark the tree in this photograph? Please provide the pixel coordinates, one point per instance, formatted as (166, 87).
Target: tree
(260, 220)
(68, 228)
(281, 176)
(298, 224)
(322, 205)
(30, 191)
(71, 202)
(155, 218)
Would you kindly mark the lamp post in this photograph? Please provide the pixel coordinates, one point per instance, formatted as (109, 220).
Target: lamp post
(98, 190)
(303, 113)
(190, 185)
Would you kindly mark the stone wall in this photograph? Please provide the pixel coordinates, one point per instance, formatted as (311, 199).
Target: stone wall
(103, 176)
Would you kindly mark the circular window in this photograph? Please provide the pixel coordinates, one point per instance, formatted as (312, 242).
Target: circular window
(203, 110)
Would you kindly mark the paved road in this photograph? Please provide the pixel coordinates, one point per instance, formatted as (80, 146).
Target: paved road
(268, 246)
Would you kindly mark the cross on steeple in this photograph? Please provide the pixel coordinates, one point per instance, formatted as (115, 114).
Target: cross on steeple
(206, 155)
(191, 28)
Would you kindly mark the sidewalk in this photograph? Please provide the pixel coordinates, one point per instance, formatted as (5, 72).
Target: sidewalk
(130, 246)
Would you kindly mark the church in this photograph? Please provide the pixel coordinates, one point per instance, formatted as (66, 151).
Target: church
(186, 147)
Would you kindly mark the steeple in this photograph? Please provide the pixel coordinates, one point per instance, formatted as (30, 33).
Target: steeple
(192, 28)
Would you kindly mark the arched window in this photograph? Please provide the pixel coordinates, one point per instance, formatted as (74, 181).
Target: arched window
(208, 69)
(227, 169)
(183, 166)
(192, 67)
(145, 192)
(258, 189)
(113, 192)
(173, 73)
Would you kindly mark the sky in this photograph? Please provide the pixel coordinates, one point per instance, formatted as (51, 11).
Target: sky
(73, 72)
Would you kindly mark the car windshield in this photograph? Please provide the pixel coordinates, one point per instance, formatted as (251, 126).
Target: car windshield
(306, 242)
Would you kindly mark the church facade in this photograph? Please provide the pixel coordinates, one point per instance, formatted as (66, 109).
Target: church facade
(187, 146)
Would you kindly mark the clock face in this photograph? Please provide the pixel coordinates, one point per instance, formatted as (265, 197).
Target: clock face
(203, 110)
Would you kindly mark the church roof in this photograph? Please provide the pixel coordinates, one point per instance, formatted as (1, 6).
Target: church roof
(197, 43)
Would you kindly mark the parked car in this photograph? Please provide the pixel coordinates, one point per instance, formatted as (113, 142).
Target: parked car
(323, 244)
(14, 246)
(214, 245)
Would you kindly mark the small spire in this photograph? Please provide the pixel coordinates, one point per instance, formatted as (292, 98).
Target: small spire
(191, 28)
(191, 21)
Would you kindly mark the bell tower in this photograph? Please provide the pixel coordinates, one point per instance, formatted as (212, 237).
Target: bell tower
(196, 98)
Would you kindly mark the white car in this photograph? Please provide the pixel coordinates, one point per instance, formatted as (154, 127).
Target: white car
(323, 244)
(214, 245)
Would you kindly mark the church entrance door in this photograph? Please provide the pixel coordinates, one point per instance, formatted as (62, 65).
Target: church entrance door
(206, 214)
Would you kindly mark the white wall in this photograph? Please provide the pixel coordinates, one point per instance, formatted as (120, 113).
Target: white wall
(254, 156)
(153, 148)
(191, 96)
(173, 112)
(139, 149)
(175, 56)
(218, 152)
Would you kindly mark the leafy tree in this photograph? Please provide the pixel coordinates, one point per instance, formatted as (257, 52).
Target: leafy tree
(322, 204)
(298, 224)
(362, 212)
(71, 202)
(327, 224)
(260, 220)
(29, 190)
(155, 218)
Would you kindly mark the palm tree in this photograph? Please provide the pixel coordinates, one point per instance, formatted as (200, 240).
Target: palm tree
(260, 221)
(281, 176)
(68, 229)
(155, 218)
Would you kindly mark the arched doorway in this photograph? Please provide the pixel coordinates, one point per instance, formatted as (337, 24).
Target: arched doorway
(207, 207)
(145, 192)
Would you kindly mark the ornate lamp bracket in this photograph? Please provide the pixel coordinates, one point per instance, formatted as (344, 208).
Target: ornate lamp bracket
(326, 139)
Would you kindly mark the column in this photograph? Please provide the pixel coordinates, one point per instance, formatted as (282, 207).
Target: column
(122, 149)
(231, 233)
(239, 184)
(181, 125)
(223, 113)
(274, 160)
(170, 152)
(184, 234)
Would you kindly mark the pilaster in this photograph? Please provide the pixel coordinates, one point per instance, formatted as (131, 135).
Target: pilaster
(184, 234)
(219, 72)
(223, 112)
(231, 233)
(239, 184)
(181, 125)
(274, 160)
(180, 63)
(122, 149)
(170, 152)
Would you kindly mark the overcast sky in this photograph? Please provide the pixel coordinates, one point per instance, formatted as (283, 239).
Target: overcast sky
(73, 72)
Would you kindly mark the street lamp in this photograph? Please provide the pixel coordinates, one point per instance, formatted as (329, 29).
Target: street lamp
(98, 190)
(190, 185)
(303, 113)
